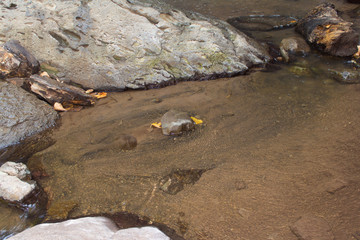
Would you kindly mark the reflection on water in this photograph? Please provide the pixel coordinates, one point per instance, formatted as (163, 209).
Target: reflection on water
(271, 143)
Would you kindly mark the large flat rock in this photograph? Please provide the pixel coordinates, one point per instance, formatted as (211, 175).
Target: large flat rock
(119, 44)
(89, 228)
(22, 114)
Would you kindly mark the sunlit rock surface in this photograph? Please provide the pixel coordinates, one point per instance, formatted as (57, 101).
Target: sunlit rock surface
(119, 44)
(89, 228)
(12, 188)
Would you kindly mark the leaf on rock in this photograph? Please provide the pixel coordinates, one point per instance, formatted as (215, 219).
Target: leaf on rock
(44, 74)
(156, 124)
(59, 107)
(100, 95)
(196, 120)
(89, 91)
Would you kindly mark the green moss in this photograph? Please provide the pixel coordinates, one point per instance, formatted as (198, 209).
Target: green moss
(217, 58)
(49, 69)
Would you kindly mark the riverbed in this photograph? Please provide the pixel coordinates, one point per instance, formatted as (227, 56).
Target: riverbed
(275, 145)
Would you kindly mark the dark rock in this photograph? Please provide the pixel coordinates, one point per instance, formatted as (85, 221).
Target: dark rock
(327, 32)
(16, 61)
(124, 142)
(175, 123)
(312, 228)
(22, 115)
(289, 47)
(354, 1)
(347, 76)
(29, 65)
(53, 91)
(240, 185)
(176, 180)
(335, 185)
(262, 23)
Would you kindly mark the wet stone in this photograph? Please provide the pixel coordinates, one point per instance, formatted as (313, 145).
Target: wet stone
(312, 228)
(289, 47)
(347, 76)
(176, 180)
(18, 170)
(175, 123)
(125, 142)
(60, 210)
(335, 185)
(22, 115)
(240, 185)
(262, 23)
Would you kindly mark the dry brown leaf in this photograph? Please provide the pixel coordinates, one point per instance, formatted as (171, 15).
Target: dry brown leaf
(44, 74)
(59, 107)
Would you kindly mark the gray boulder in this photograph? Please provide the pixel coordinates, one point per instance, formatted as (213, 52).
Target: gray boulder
(22, 114)
(175, 123)
(88, 228)
(119, 44)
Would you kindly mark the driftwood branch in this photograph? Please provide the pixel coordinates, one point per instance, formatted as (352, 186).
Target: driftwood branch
(53, 91)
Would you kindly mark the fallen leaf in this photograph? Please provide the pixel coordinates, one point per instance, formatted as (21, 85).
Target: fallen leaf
(156, 124)
(357, 54)
(196, 121)
(59, 107)
(89, 91)
(44, 74)
(100, 95)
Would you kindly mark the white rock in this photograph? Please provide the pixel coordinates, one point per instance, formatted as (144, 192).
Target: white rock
(12, 188)
(88, 228)
(18, 170)
(144, 233)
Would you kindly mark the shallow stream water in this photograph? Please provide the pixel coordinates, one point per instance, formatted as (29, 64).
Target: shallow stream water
(273, 147)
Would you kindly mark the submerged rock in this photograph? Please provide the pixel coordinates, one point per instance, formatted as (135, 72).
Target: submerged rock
(22, 114)
(89, 228)
(12, 188)
(119, 44)
(312, 228)
(175, 123)
(346, 76)
(289, 47)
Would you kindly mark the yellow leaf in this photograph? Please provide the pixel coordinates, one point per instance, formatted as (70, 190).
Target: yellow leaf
(196, 121)
(156, 125)
(100, 95)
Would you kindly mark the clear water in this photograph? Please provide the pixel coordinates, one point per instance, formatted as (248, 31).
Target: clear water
(271, 146)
